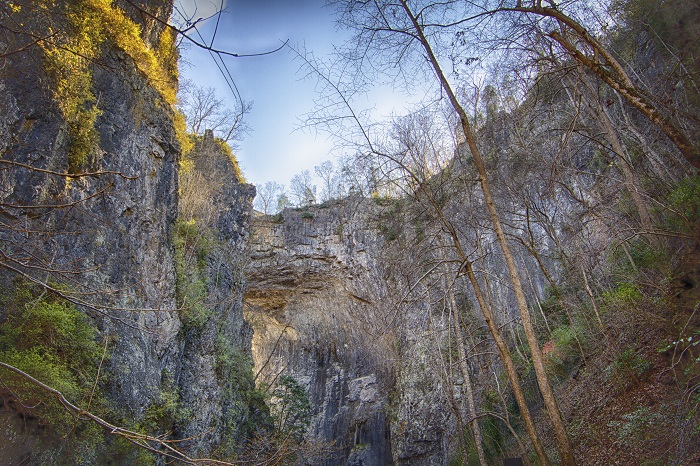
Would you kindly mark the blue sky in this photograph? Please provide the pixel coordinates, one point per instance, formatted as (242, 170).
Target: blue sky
(277, 147)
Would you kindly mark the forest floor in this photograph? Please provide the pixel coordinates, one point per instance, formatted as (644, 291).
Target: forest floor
(635, 398)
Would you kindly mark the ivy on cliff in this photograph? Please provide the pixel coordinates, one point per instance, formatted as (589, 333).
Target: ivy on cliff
(75, 32)
(49, 339)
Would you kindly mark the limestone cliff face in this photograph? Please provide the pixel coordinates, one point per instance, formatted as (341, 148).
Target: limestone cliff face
(318, 301)
(105, 238)
(216, 350)
(328, 300)
(110, 232)
(349, 300)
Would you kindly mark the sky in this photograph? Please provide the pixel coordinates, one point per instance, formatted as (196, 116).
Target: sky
(277, 147)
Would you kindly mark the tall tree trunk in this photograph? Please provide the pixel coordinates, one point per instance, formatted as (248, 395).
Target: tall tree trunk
(509, 367)
(502, 347)
(610, 71)
(622, 161)
(464, 367)
(564, 446)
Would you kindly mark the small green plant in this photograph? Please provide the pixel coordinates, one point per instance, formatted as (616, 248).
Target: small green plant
(565, 352)
(166, 414)
(629, 365)
(686, 198)
(625, 293)
(192, 246)
(389, 232)
(307, 215)
(638, 426)
(291, 409)
(53, 342)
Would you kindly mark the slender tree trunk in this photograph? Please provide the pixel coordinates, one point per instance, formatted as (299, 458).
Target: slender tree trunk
(537, 300)
(564, 446)
(623, 162)
(464, 366)
(509, 367)
(610, 71)
(502, 347)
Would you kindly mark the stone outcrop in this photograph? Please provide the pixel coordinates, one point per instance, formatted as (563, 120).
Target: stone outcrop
(328, 298)
(209, 385)
(111, 232)
(318, 301)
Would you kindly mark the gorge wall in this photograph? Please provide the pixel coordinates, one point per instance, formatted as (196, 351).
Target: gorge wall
(314, 292)
(325, 300)
(90, 217)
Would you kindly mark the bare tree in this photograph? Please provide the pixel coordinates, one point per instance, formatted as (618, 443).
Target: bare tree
(302, 189)
(579, 31)
(548, 395)
(330, 188)
(283, 202)
(203, 110)
(389, 34)
(267, 195)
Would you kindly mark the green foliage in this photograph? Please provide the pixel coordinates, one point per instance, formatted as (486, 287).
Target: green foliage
(566, 352)
(491, 429)
(184, 139)
(553, 309)
(639, 425)
(225, 149)
(245, 411)
(389, 232)
(625, 293)
(166, 414)
(70, 56)
(686, 199)
(567, 338)
(191, 249)
(629, 365)
(69, 63)
(277, 218)
(111, 21)
(53, 342)
(382, 200)
(389, 221)
(307, 215)
(629, 258)
(231, 364)
(291, 409)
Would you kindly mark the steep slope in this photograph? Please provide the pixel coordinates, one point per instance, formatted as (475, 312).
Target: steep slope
(215, 376)
(331, 300)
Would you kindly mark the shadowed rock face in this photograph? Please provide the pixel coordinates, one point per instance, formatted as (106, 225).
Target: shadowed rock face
(316, 296)
(112, 237)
